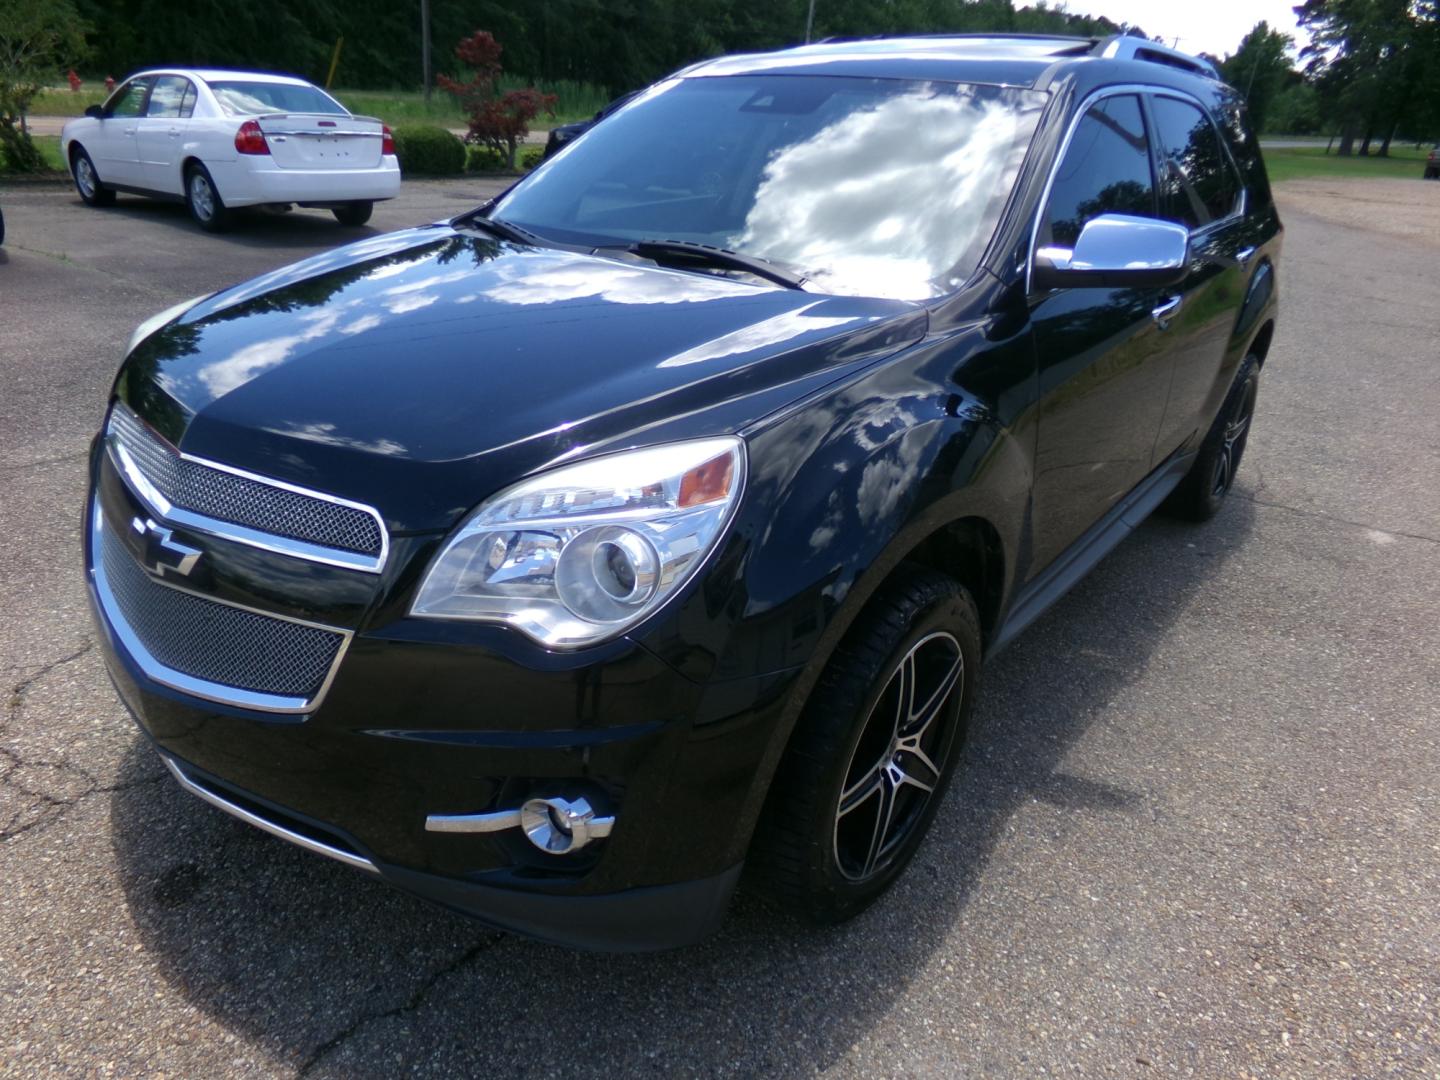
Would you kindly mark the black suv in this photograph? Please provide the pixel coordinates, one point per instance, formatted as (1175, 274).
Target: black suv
(658, 516)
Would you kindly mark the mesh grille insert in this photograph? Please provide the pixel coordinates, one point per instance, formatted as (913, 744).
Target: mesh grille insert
(213, 641)
(254, 505)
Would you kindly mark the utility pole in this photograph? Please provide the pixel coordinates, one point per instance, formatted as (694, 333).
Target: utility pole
(809, 21)
(425, 47)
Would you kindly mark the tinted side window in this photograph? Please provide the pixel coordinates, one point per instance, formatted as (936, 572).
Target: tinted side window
(1199, 184)
(166, 98)
(1106, 170)
(130, 98)
(187, 103)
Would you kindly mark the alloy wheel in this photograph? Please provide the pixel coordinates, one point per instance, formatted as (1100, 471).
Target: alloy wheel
(1232, 440)
(202, 198)
(893, 771)
(85, 176)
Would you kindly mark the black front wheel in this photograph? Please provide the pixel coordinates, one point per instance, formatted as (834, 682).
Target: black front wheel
(353, 214)
(873, 751)
(1201, 494)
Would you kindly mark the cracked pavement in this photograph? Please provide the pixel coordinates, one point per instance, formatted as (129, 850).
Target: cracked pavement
(1198, 830)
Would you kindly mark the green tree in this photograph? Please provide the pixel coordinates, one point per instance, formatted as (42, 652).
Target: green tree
(1367, 60)
(38, 40)
(1259, 69)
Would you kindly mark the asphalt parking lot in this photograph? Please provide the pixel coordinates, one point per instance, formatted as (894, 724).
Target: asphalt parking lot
(1198, 831)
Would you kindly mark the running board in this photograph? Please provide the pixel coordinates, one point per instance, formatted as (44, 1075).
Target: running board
(1037, 596)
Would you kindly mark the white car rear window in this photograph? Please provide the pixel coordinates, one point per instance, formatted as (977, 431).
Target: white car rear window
(239, 98)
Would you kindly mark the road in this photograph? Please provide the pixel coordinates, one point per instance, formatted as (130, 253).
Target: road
(1197, 834)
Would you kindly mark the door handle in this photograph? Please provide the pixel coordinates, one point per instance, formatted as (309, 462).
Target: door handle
(1166, 311)
(129, 131)
(1243, 256)
(174, 133)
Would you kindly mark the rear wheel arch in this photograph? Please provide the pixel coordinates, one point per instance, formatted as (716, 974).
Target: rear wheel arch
(1260, 344)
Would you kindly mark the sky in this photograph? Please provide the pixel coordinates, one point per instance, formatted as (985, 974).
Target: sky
(1213, 26)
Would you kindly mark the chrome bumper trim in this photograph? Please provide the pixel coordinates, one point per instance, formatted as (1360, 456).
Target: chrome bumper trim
(274, 829)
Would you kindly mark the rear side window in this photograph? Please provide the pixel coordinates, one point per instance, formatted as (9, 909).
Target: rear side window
(1200, 184)
(1106, 170)
(187, 103)
(167, 97)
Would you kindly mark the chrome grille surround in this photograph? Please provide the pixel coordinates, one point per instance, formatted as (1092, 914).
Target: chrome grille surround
(221, 500)
(206, 647)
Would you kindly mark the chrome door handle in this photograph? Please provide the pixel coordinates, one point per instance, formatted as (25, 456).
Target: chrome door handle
(1244, 255)
(1166, 311)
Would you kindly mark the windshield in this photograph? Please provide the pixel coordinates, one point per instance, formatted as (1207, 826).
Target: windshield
(867, 187)
(255, 98)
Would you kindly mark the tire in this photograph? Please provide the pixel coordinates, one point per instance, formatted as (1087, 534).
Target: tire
(353, 214)
(204, 202)
(1432, 174)
(819, 849)
(87, 180)
(1201, 494)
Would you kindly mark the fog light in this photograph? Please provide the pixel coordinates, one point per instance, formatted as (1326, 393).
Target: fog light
(559, 826)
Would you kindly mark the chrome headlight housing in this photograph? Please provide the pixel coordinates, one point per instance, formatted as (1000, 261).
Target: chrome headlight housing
(580, 554)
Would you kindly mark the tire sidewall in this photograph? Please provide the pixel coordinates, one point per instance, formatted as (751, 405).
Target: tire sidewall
(951, 611)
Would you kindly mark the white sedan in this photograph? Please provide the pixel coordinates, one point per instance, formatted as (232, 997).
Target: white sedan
(223, 139)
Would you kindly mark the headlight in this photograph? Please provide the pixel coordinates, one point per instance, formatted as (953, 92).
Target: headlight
(155, 322)
(584, 552)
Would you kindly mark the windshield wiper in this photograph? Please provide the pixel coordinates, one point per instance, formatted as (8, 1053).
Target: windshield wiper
(687, 251)
(496, 227)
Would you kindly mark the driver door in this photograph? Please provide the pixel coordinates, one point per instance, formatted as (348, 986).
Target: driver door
(117, 158)
(1103, 381)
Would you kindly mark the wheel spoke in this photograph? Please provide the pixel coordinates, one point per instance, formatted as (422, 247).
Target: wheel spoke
(884, 815)
(914, 766)
(1237, 430)
(919, 721)
(859, 791)
(905, 704)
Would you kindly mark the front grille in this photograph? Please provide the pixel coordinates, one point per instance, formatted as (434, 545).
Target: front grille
(225, 497)
(214, 642)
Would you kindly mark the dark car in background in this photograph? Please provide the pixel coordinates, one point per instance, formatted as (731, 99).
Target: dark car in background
(1432, 164)
(658, 517)
(562, 135)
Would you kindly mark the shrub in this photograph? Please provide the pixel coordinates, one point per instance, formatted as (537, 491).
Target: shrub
(483, 159)
(532, 156)
(500, 122)
(428, 150)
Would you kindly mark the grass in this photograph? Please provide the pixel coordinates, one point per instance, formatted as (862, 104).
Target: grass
(1305, 162)
(577, 101)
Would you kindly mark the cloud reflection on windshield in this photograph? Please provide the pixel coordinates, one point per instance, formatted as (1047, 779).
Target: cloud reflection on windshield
(920, 172)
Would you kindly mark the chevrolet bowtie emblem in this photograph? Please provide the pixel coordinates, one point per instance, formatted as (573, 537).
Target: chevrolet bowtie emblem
(162, 551)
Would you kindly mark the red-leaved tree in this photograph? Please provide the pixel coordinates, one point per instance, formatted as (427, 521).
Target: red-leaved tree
(499, 121)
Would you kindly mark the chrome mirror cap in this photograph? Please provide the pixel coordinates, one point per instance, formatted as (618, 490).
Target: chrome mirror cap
(1116, 251)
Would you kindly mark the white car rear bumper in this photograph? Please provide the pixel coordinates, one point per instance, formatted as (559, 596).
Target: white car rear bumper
(247, 182)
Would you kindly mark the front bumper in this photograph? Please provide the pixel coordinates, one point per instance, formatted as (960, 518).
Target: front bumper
(422, 719)
(634, 920)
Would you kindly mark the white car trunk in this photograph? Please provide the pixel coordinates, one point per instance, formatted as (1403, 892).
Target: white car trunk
(315, 141)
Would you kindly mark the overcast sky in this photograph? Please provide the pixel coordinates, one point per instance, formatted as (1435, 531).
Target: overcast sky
(1213, 26)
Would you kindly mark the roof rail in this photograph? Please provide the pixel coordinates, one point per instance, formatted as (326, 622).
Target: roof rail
(1067, 42)
(1131, 47)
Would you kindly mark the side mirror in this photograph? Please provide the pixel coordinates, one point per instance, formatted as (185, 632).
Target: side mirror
(95, 111)
(1117, 251)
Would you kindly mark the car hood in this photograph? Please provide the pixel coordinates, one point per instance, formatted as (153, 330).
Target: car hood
(421, 371)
